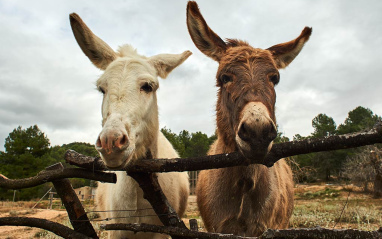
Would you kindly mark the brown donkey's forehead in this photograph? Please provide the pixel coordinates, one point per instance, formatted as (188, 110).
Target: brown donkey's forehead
(249, 66)
(240, 53)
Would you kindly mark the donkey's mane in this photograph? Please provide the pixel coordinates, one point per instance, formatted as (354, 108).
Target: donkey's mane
(235, 42)
(129, 51)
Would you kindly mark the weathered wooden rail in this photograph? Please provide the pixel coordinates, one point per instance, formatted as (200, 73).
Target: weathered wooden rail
(144, 172)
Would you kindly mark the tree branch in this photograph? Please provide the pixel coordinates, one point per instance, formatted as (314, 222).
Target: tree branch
(77, 215)
(329, 143)
(54, 227)
(305, 233)
(48, 176)
(278, 151)
(318, 233)
(172, 231)
(153, 193)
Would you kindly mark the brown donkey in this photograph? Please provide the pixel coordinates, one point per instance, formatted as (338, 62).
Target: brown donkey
(244, 200)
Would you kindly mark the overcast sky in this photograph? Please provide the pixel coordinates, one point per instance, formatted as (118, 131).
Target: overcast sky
(45, 79)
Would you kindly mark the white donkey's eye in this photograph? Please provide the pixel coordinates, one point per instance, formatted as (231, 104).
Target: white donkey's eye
(146, 88)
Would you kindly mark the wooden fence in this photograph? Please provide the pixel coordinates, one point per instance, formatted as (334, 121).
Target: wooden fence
(193, 179)
(144, 172)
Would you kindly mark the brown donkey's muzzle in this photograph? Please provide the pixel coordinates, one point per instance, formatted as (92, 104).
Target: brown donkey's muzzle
(256, 131)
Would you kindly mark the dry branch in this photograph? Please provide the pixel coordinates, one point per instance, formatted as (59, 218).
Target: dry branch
(172, 231)
(77, 215)
(307, 233)
(153, 193)
(277, 152)
(318, 233)
(48, 176)
(54, 227)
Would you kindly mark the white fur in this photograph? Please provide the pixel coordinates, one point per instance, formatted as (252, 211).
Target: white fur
(127, 195)
(131, 128)
(127, 108)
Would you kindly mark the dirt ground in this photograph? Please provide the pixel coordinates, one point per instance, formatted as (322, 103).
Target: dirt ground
(314, 205)
(13, 232)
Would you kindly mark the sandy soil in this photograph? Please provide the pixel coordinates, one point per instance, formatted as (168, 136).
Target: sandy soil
(14, 232)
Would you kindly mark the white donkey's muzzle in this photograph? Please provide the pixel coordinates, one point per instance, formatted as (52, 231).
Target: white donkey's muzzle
(113, 144)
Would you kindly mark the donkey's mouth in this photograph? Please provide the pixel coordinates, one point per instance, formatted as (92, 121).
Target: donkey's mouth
(119, 160)
(256, 131)
(252, 150)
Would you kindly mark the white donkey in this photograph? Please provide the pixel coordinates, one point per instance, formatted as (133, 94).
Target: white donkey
(131, 128)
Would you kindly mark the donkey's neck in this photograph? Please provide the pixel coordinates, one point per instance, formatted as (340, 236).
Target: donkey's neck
(149, 142)
(251, 172)
(222, 145)
(128, 188)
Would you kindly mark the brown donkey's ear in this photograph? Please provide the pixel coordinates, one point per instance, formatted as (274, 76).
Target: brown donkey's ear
(203, 37)
(94, 48)
(285, 53)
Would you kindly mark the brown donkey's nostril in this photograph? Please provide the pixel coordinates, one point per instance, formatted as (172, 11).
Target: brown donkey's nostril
(253, 134)
(245, 132)
(270, 133)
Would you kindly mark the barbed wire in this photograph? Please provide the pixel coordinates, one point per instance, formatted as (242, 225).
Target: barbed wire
(113, 218)
(122, 210)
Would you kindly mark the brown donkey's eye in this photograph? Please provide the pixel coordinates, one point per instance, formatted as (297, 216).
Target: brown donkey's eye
(225, 79)
(146, 88)
(274, 79)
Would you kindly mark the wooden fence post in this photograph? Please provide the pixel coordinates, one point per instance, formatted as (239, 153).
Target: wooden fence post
(50, 200)
(194, 225)
(76, 212)
(153, 193)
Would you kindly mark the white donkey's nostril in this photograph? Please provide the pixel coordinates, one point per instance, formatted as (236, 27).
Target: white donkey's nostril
(98, 142)
(121, 142)
(111, 141)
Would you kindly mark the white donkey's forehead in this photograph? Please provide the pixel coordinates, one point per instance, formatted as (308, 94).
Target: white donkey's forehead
(127, 69)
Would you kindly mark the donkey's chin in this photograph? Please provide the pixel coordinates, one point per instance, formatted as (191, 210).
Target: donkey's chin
(118, 160)
(253, 151)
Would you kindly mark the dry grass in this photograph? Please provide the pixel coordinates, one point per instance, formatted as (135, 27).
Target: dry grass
(315, 205)
(332, 206)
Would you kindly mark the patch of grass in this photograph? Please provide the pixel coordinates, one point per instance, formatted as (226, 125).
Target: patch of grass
(39, 234)
(93, 215)
(360, 214)
(326, 193)
(13, 213)
(191, 216)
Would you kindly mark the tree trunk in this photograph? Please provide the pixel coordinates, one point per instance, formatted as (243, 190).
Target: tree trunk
(375, 159)
(366, 187)
(378, 186)
(327, 175)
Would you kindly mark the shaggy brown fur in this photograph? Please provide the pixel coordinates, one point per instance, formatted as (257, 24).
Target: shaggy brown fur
(243, 200)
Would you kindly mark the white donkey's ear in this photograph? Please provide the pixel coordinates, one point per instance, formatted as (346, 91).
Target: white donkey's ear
(165, 63)
(99, 53)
